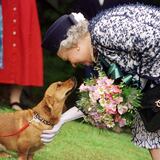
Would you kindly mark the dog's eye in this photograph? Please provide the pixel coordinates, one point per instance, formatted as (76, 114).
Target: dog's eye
(59, 84)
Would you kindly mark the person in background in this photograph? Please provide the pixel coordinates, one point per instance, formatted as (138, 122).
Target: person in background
(22, 52)
(1, 29)
(119, 35)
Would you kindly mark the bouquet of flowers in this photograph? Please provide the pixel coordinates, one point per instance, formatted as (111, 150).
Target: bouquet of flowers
(106, 104)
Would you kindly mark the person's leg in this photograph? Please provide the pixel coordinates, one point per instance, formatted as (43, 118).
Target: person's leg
(15, 95)
(155, 154)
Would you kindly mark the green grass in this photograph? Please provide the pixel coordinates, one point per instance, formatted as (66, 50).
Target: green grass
(80, 141)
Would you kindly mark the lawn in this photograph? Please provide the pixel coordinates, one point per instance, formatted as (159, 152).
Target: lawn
(80, 141)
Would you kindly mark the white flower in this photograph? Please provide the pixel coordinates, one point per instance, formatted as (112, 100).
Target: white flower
(78, 17)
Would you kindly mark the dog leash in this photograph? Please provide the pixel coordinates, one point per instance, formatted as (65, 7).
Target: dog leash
(17, 132)
(36, 117)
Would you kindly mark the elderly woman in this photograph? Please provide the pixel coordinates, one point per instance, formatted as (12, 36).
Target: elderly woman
(121, 35)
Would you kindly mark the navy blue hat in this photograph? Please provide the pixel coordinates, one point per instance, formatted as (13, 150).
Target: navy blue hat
(58, 32)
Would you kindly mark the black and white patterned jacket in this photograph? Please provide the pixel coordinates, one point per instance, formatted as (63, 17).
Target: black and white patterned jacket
(127, 35)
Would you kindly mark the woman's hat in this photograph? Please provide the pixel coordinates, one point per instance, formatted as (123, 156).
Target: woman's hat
(58, 31)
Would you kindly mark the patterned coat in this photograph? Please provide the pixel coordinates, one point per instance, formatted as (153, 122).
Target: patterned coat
(129, 35)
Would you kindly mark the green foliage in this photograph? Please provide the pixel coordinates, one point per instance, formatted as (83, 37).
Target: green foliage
(84, 100)
(132, 95)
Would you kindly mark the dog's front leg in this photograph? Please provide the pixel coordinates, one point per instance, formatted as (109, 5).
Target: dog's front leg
(30, 156)
(23, 146)
(23, 151)
(22, 156)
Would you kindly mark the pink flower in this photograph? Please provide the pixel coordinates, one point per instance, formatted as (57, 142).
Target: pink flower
(118, 100)
(111, 108)
(115, 89)
(102, 81)
(122, 109)
(95, 116)
(94, 97)
(121, 121)
(109, 96)
(83, 88)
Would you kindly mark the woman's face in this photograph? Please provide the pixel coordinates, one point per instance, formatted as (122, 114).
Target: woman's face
(79, 54)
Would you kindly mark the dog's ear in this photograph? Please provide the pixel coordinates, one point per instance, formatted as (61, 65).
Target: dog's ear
(49, 97)
(50, 90)
(52, 105)
(49, 102)
(52, 108)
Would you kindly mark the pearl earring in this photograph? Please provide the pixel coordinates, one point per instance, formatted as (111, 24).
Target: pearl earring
(78, 48)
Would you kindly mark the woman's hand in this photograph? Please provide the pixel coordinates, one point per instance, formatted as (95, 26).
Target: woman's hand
(48, 135)
(71, 114)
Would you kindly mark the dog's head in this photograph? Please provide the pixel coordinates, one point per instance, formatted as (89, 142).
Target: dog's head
(56, 94)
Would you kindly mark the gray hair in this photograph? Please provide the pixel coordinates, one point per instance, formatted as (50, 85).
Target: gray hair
(74, 34)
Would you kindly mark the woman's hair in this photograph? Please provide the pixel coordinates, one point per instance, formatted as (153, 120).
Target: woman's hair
(74, 34)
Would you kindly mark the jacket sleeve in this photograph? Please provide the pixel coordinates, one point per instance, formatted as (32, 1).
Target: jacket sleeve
(129, 35)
